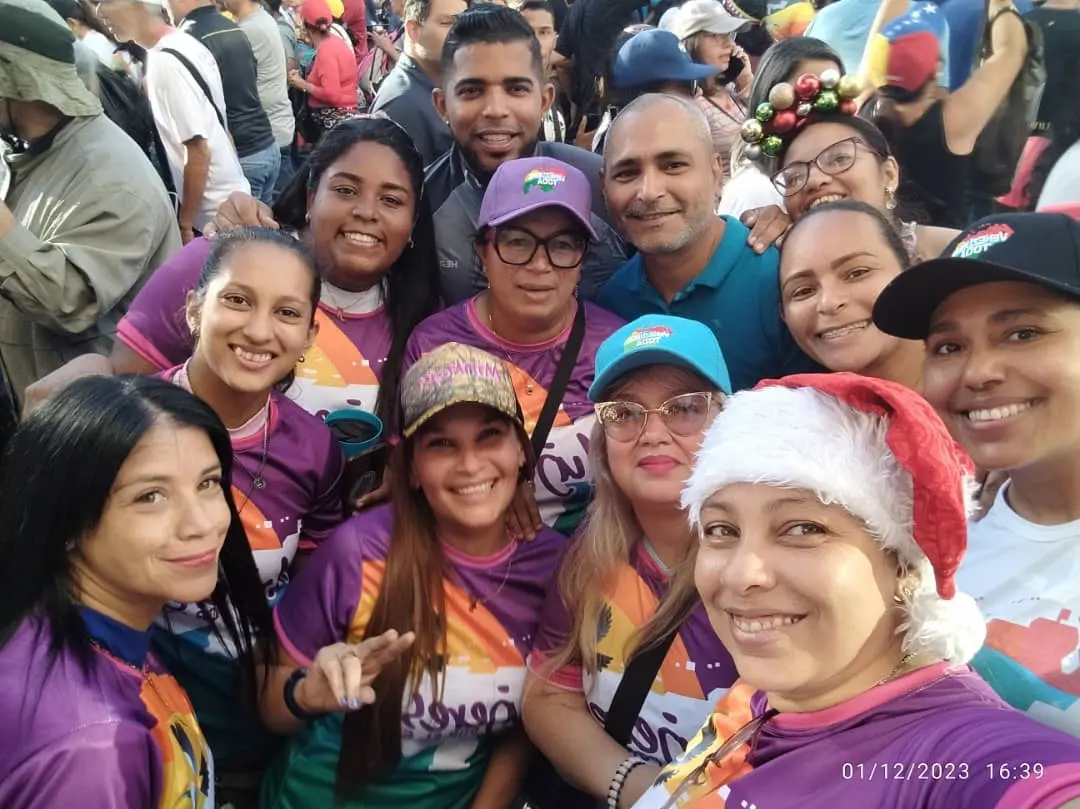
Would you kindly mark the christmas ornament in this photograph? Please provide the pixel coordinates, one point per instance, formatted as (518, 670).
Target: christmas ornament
(782, 96)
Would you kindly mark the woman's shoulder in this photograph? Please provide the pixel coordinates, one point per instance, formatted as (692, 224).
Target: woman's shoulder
(599, 319)
(451, 323)
(932, 241)
(51, 700)
(364, 536)
(294, 418)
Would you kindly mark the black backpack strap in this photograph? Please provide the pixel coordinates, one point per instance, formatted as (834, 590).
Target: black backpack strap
(633, 688)
(567, 361)
(199, 80)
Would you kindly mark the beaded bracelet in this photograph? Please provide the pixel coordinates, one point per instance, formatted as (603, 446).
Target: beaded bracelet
(619, 780)
(289, 693)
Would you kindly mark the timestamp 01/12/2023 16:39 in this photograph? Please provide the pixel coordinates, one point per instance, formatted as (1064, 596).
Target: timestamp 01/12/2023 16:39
(939, 771)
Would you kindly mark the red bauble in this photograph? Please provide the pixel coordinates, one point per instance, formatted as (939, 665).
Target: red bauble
(784, 121)
(807, 86)
(849, 107)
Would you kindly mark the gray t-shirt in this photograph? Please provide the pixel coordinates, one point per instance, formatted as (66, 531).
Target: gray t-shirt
(270, 73)
(405, 97)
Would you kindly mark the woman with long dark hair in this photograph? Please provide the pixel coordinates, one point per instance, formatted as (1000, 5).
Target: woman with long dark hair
(358, 204)
(114, 500)
(436, 563)
(251, 329)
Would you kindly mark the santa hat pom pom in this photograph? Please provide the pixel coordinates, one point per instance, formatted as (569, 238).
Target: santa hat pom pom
(942, 629)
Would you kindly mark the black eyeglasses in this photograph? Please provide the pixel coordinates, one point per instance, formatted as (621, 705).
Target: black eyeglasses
(683, 415)
(747, 734)
(517, 246)
(832, 160)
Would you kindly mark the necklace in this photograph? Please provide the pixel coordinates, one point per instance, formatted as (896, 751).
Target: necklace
(530, 386)
(899, 667)
(475, 602)
(339, 308)
(258, 482)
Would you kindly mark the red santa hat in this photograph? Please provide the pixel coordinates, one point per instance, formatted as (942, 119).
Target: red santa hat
(880, 451)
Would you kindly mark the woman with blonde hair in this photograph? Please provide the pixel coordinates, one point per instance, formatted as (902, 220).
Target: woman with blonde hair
(625, 664)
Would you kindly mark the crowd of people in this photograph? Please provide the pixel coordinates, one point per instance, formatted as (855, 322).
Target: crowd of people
(458, 404)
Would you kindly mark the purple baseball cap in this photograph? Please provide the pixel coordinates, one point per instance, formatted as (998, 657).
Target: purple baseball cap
(530, 183)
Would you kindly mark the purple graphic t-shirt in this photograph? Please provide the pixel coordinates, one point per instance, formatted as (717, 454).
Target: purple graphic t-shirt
(562, 489)
(493, 606)
(694, 675)
(341, 370)
(296, 509)
(118, 735)
(938, 738)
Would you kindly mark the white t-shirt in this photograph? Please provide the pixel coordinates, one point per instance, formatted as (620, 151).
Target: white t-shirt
(747, 190)
(1026, 580)
(182, 112)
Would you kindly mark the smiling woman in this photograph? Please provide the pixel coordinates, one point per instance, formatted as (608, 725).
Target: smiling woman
(533, 234)
(437, 565)
(251, 328)
(358, 204)
(831, 515)
(836, 260)
(1001, 316)
(123, 484)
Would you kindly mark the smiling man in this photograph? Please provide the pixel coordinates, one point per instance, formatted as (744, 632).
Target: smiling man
(494, 94)
(661, 183)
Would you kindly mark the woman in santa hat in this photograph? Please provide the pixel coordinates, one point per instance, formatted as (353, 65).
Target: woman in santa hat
(832, 515)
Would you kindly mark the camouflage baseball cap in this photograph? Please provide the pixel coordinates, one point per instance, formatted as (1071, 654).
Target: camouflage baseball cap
(455, 374)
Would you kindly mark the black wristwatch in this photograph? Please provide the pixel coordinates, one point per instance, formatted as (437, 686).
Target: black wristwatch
(289, 693)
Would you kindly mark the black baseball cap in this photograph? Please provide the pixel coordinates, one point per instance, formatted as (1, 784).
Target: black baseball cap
(1037, 248)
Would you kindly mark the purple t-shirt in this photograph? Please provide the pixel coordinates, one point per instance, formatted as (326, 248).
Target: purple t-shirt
(938, 738)
(299, 506)
(695, 673)
(341, 370)
(116, 736)
(493, 607)
(562, 489)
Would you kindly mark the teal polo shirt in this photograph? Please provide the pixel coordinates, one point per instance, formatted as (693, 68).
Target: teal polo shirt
(737, 295)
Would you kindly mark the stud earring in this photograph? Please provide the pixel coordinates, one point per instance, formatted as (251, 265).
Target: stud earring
(307, 218)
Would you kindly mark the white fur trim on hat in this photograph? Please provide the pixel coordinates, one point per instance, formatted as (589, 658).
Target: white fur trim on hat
(805, 439)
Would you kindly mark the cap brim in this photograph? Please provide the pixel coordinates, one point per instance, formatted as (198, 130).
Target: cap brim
(544, 203)
(730, 26)
(454, 401)
(644, 358)
(906, 306)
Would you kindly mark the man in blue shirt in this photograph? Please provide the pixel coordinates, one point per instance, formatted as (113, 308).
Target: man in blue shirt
(661, 182)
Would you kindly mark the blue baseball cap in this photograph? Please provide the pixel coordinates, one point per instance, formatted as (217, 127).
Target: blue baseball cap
(654, 56)
(660, 340)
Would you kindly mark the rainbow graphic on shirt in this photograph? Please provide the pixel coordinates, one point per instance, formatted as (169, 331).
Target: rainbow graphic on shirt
(700, 776)
(674, 710)
(187, 764)
(1036, 667)
(335, 374)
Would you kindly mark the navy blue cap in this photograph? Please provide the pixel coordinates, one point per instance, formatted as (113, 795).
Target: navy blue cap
(655, 56)
(1036, 248)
